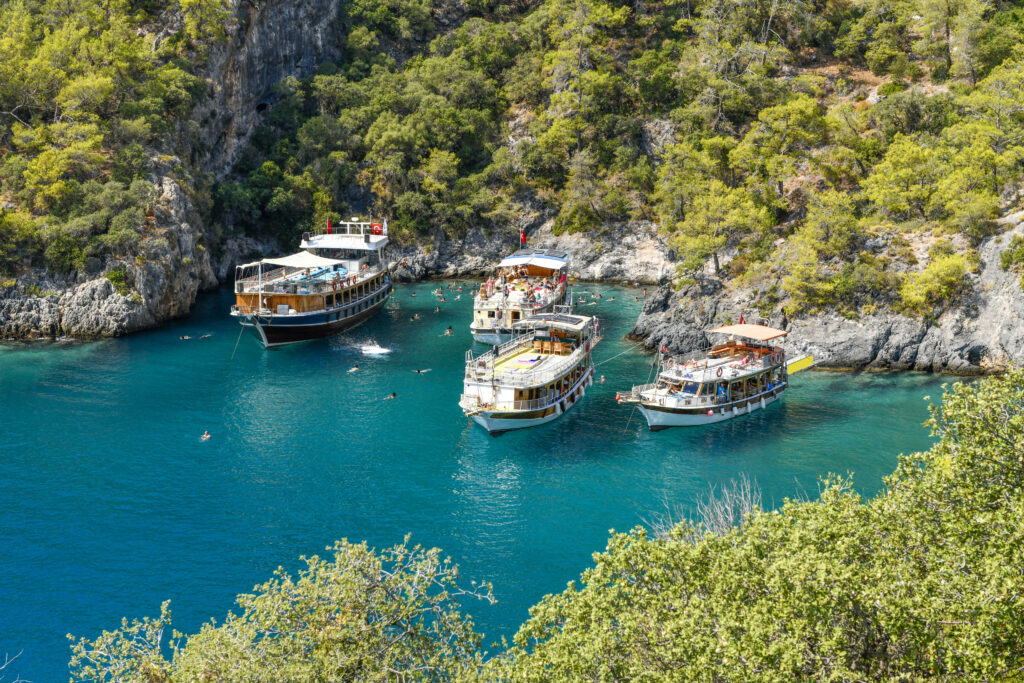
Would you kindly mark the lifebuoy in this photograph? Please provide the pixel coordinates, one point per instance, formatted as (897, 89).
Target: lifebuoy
(376, 228)
(719, 373)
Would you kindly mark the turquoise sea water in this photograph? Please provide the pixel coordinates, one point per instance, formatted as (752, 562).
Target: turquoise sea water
(111, 503)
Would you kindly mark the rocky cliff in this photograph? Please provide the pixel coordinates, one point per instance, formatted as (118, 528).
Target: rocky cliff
(983, 333)
(625, 252)
(121, 295)
(269, 41)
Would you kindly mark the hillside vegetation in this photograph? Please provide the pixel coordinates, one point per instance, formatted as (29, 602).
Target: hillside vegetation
(826, 153)
(87, 96)
(924, 581)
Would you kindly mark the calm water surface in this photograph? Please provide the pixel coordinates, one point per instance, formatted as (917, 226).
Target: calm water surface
(111, 503)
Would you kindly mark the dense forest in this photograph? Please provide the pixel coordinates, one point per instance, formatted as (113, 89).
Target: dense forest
(924, 581)
(827, 153)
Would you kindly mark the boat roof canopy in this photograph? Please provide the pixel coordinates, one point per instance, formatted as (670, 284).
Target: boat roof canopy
(563, 321)
(302, 259)
(545, 258)
(758, 332)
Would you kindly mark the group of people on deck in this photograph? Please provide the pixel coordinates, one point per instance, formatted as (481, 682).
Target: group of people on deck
(508, 281)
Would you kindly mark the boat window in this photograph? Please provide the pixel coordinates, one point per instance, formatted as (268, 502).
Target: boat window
(690, 388)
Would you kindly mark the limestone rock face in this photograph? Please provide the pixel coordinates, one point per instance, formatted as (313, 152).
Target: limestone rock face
(270, 40)
(161, 280)
(983, 333)
(622, 253)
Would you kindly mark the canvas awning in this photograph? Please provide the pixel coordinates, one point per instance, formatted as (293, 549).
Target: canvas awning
(758, 332)
(542, 258)
(303, 259)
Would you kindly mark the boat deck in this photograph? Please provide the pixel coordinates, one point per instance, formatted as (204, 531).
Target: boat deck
(519, 291)
(528, 360)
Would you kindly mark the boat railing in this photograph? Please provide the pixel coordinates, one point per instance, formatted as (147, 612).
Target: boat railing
(472, 402)
(543, 374)
(349, 228)
(678, 370)
(640, 388)
(683, 401)
(484, 364)
(256, 285)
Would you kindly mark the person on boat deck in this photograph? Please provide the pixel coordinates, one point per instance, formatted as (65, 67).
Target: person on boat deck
(721, 390)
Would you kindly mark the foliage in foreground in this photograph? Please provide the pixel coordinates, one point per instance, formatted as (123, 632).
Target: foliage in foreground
(361, 616)
(925, 580)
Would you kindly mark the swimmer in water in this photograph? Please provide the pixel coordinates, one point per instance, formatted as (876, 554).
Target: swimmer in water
(437, 309)
(413, 294)
(205, 336)
(420, 372)
(205, 436)
(602, 379)
(393, 395)
(184, 337)
(448, 332)
(354, 368)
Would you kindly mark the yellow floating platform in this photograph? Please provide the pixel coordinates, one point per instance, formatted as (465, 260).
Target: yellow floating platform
(799, 363)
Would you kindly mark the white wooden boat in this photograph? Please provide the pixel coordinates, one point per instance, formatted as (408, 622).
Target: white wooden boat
(535, 377)
(528, 282)
(747, 372)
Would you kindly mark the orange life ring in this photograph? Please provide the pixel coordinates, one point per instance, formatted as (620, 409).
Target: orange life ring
(719, 373)
(376, 228)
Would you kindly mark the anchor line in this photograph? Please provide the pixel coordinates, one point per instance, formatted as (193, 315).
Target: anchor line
(240, 331)
(632, 412)
(619, 354)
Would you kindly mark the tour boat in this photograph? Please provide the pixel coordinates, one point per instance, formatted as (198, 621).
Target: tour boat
(528, 282)
(737, 377)
(338, 281)
(533, 378)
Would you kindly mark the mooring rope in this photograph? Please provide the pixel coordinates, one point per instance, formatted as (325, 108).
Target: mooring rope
(619, 354)
(240, 331)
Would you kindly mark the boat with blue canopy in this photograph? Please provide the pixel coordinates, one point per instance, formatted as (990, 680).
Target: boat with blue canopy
(528, 282)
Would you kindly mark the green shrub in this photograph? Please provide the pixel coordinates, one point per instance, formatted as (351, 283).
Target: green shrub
(942, 280)
(891, 88)
(1012, 258)
(119, 278)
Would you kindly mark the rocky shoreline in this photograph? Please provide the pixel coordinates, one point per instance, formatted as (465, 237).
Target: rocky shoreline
(983, 334)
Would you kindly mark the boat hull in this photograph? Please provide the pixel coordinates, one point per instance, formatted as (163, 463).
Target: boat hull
(273, 331)
(497, 422)
(660, 417)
